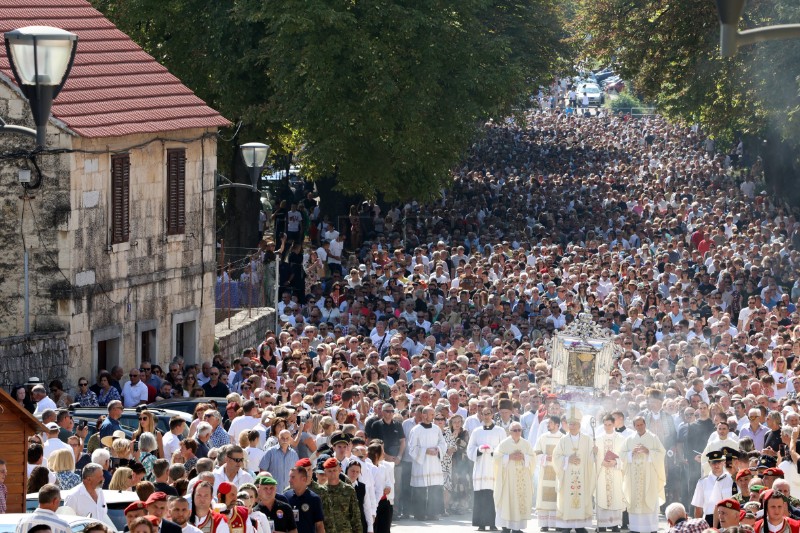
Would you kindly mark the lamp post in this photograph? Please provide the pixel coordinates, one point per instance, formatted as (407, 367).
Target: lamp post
(40, 58)
(255, 157)
(730, 39)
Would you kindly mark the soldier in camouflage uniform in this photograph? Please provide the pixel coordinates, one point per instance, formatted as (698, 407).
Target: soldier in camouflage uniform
(743, 478)
(339, 502)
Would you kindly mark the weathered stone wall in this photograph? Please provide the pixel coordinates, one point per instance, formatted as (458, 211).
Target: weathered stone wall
(244, 331)
(31, 220)
(153, 276)
(43, 355)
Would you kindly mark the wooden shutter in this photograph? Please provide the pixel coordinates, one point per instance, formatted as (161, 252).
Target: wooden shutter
(120, 198)
(176, 191)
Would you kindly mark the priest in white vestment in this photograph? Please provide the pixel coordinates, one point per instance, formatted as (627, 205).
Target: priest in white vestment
(645, 478)
(514, 462)
(480, 450)
(722, 438)
(609, 498)
(426, 447)
(547, 491)
(574, 462)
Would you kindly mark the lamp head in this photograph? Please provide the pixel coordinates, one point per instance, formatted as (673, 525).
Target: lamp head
(255, 156)
(41, 58)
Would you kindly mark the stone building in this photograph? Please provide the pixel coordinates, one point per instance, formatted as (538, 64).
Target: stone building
(120, 236)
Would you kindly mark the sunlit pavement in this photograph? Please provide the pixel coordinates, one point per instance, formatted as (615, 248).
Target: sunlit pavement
(463, 522)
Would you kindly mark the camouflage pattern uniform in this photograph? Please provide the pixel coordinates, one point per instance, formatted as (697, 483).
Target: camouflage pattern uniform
(340, 505)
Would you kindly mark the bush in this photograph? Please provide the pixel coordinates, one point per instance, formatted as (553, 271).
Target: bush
(623, 103)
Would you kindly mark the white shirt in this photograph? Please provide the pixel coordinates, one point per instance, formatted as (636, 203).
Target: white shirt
(46, 517)
(133, 395)
(221, 528)
(336, 249)
(189, 528)
(45, 403)
(84, 505)
(171, 445)
(239, 479)
(242, 423)
(53, 445)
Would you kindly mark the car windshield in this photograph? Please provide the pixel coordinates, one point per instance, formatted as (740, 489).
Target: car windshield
(591, 90)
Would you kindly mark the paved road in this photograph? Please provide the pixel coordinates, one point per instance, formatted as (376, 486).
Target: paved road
(463, 523)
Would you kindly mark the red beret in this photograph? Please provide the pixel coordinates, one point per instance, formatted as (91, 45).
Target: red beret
(741, 473)
(742, 515)
(330, 463)
(153, 519)
(776, 472)
(156, 497)
(225, 488)
(730, 503)
(305, 462)
(135, 506)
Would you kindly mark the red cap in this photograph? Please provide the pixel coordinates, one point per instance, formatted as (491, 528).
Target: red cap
(741, 473)
(330, 463)
(742, 515)
(225, 488)
(156, 497)
(730, 503)
(153, 519)
(232, 405)
(305, 462)
(135, 506)
(776, 472)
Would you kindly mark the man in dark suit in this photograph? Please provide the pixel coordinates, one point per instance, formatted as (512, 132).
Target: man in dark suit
(157, 506)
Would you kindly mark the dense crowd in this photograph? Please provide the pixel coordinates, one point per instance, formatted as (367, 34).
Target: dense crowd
(410, 375)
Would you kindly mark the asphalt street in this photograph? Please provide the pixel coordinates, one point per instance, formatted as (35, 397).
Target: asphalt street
(462, 523)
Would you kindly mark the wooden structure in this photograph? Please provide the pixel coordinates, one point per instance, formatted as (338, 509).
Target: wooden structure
(16, 425)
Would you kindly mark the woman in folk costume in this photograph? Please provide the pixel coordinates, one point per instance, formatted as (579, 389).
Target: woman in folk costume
(480, 449)
(514, 463)
(609, 498)
(574, 463)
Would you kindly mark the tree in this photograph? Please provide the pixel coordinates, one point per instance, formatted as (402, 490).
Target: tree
(388, 94)
(670, 51)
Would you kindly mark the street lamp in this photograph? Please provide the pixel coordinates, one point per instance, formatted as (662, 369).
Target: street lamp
(255, 157)
(40, 58)
(730, 12)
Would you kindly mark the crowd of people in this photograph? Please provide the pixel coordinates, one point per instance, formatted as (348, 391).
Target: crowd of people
(411, 376)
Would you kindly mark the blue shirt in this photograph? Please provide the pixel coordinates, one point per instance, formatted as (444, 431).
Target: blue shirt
(309, 508)
(109, 426)
(758, 435)
(278, 463)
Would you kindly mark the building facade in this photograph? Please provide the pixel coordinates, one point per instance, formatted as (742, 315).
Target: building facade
(120, 236)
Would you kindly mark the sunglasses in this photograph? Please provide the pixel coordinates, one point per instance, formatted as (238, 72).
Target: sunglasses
(143, 418)
(237, 460)
(83, 384)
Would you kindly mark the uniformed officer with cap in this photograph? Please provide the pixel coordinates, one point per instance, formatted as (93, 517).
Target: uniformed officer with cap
(715, 487)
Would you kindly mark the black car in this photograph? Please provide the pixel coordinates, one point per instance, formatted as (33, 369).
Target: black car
(188, 405)
(129, 419)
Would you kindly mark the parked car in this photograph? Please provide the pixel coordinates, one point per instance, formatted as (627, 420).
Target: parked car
(129, 419)
(8, 522)
(603, 74)
(596, 96)
(614, 84)
(188, 405)
(116, 502)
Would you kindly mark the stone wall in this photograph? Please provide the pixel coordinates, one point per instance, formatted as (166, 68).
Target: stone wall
(244, 331)
(43, 355)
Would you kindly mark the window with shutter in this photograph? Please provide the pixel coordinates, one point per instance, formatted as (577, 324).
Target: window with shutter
(176, 191)
(120, 198)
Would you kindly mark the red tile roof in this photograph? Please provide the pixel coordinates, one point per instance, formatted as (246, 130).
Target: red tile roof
(114, 88)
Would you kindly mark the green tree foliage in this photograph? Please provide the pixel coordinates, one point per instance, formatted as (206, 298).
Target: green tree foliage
(388, 94)
(670, 51)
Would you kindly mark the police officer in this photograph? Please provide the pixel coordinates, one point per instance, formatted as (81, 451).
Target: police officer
(715, 487)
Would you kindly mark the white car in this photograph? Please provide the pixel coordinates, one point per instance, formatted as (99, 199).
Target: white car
(592, 90)
(8, 522)
(116, 502)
